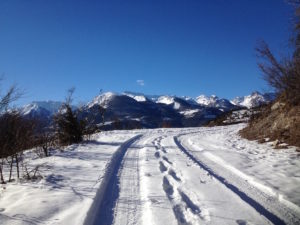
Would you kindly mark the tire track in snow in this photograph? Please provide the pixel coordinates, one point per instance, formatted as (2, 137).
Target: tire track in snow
(252, 202)
(128, 206)
(102, 209)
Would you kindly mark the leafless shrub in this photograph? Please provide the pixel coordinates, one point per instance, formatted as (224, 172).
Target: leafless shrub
(33, 173)
(44, 142)
(280, 121)
(283, 76)
(16, 135)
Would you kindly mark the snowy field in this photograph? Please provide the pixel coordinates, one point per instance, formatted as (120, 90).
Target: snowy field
(160, 176)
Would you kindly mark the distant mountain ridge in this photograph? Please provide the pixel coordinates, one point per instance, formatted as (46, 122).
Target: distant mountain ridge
(253, 100)
(149, 111)
(50, 106)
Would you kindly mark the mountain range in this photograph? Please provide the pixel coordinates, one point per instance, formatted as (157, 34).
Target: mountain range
(135, 110)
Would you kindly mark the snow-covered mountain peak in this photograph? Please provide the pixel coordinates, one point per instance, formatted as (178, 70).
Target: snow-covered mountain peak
(205, 100)
(253, 100)
(102, 99)
(27, 109)
(51, 106)
(136, 96)
(165, 99)
(214, 101)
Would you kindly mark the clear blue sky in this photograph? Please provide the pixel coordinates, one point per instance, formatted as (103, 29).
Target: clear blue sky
(179, 47)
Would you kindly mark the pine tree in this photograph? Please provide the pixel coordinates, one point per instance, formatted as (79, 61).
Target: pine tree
(68, 128)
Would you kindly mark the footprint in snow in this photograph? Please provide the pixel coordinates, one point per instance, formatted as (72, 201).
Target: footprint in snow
(174, 175)
(168, 188)
(167, 160)
(188, 164)
(179, 214)
(189, 203)
(202, 181)
(154, 201)
(243, 222)
(162, 167)
(156, 154)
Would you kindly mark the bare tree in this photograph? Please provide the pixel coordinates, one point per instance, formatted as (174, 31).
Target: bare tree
(16, 135)
(69, 97)
(44, 142)
(11, 95)
(283, 75)
(7, 140)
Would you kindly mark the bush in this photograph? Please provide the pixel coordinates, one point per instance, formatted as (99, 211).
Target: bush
(283, 76)
(16, 135)
(68, 128)
(279, 121)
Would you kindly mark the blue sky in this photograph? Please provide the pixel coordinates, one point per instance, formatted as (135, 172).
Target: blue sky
(179, 47)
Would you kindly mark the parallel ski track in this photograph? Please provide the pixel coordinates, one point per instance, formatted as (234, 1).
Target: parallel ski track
(252, 202)
(101, 211)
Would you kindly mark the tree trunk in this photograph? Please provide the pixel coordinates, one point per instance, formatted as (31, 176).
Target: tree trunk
(1, 174)
(17, 164)
(11, 166)
(45, 151)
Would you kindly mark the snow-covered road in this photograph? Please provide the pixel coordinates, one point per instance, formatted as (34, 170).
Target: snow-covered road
(191, 176)
(164, 180)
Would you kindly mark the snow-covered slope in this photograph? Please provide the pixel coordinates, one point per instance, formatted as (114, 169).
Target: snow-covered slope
(203, 100)
(186, 176)
(41, 110)
(136, 96)
(176, 103)
(168, 100)
(214, 101)
(36, 106)
(253, 100)
(102, 100)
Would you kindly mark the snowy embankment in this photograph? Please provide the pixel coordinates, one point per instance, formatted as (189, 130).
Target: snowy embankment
(277, 170)
(70, 182)
(161, 176)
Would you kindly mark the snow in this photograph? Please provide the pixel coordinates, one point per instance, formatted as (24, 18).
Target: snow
(253, 100)
(203, 100)
(276, 170)
(168, 100)
(51, 106)
(190, 112)
(70, 181)
(238, 116)
(189, 100)
(176, 105)
(48, 108)
(214, 101)
(140, 98)
(160, 176)
(136, 96)
(102, 99)
(28, 108)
